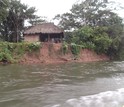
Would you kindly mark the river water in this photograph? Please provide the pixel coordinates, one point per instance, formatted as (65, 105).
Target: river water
(99, 84)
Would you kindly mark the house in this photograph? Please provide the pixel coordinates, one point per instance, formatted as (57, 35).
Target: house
(45, 32)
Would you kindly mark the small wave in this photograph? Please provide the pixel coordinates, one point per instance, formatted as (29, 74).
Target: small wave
(104, 99)
(6, 100)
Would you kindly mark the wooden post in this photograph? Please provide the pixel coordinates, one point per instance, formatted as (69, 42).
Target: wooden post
(17, 36)
(61, 38)
(62, 44)
(48, 38)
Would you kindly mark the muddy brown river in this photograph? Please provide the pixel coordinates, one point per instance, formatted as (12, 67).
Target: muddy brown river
(96, 84)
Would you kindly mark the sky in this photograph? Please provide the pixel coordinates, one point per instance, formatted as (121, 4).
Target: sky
(50, 8)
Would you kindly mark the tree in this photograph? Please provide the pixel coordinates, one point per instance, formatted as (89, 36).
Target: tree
(92, 38)
(18, 13)
(13, 24)
(37, 20)
(3, 14)
(3, 9)
(94, 15)
(67, 21)
(88, 12)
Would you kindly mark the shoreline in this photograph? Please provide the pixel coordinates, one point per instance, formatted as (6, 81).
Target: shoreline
(63, 59)
(53, 54)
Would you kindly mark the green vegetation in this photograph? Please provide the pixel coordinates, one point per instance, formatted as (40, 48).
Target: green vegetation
(34, 47)
(12, 52)
(90, 24)
(13, 15)
(65, 48)
(75, 49)
(93, 25)
(97, 39)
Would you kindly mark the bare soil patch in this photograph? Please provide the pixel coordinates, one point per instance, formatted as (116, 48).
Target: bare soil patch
(51, 53)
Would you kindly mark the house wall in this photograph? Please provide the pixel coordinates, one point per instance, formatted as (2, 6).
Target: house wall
(31, 38)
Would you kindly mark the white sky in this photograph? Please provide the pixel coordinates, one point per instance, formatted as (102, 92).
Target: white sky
(50, 8)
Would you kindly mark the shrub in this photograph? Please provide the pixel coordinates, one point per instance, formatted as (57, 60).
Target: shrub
(34, 46)
(11, 52)
(102, 44)
(64, 48)
(5, 57)
(75, 49)
(88, 45)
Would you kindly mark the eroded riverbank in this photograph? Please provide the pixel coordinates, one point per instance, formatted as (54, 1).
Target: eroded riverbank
(52, 54)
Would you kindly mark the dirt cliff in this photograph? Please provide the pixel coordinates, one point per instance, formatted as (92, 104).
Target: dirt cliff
(52, 53)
